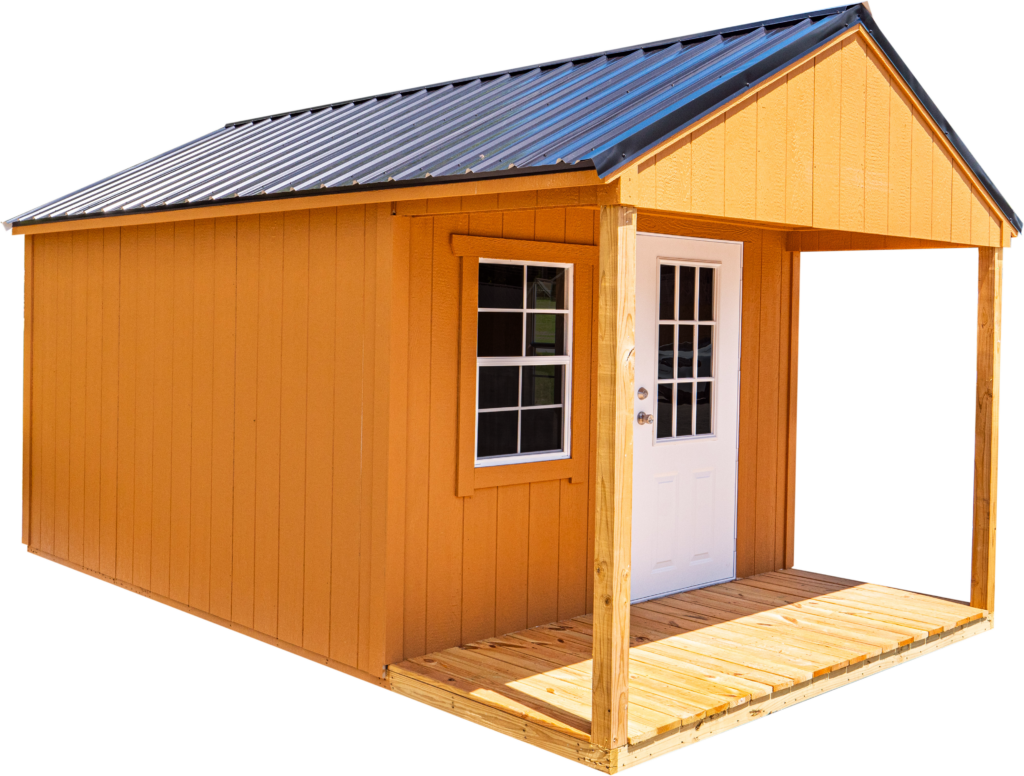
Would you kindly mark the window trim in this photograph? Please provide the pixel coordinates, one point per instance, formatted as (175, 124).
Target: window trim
(576, 468)
(521, 361)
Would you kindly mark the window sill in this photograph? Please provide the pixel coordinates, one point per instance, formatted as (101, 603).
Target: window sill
(520, 473)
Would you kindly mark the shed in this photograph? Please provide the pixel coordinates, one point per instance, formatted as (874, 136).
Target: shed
(486, 391)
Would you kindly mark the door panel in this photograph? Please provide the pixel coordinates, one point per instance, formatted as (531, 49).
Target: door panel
(684, 453)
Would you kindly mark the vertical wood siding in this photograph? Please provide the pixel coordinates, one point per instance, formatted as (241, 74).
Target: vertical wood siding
(508, 557)
(215, 419)
(835, 144)
(201, 418)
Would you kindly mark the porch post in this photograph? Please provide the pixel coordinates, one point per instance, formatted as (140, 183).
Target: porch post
(616, 314)
(986, 428)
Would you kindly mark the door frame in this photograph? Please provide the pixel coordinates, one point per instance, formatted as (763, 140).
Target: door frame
(739, 375)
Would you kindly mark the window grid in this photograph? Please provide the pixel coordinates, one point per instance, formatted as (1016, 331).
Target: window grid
(675, 381)
(527, 361)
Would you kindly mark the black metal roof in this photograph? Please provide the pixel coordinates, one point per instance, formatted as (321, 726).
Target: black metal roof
(599, 111)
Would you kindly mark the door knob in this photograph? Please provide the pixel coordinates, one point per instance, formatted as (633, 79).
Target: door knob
(641, 394)
(644, 419)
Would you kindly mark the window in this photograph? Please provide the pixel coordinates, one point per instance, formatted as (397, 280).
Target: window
(524, 351)
(686, 342)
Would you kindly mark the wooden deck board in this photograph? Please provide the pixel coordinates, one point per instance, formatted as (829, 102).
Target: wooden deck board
(696, 659)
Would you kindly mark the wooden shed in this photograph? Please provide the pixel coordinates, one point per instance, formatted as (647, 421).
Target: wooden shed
(486, 391)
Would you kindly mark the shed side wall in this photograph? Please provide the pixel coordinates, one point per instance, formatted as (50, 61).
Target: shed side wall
(203, 408)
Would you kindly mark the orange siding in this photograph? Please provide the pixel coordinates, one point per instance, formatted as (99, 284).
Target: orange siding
(240, 438)
(187, 432)
(838, 143)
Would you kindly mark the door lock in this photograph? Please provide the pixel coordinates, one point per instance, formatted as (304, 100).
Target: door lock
(641, 394)
(644, 419)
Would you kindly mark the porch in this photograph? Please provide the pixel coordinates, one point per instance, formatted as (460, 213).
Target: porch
(700, 662)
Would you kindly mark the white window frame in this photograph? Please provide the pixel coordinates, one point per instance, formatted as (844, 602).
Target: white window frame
(675, 379)
(521, 361)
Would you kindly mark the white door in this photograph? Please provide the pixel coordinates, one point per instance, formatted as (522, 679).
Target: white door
(687, 386)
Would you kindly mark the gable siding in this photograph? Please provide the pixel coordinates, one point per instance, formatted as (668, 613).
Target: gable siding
(835, 144)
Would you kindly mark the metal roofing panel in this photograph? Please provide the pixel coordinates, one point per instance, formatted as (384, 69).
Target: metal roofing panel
(598, 111)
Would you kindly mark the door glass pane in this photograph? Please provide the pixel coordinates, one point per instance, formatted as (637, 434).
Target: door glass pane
(499, 386)
(542, 430)
(545, 334)
(496, 433)
(704, 338)
(685, 368)
(707, 294)
(501, 285)
(665, 348)
(687, 289)
(684, 409)
(664, 411)
(703, 408)
(545, 288)
(499, 334)
(666, 293)
(542, 385)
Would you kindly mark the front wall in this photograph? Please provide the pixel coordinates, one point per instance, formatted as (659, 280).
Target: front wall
(509, 557)
(202, 418)
(765, 495)
(836, 144)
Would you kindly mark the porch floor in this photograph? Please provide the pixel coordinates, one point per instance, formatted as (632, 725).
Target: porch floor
(726, 653)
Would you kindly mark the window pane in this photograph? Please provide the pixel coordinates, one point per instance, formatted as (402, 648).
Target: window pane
(496, 433)
(501, 285)
(666, 293)
(704, 337)
(685, 351)
(665, 347)
(664, 411)
(542, 430)
(684, 409)
(545, 334)
(545, 288)
(704, 408)
(499, 334)
(499, 387)
(687, 288)
(542, 385)
(707, 294)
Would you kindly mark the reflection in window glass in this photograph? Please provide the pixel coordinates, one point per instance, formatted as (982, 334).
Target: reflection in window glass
(545, 288)
(685, 351)
(704, 408)
(707, 294)
(684, 409)
(541, 430)
(666, 292)
(664, 411)
(523, 360)
(665, 348)
(704, 338)
(501, 285)
(687, 292)
(545, 334)
(542, 385)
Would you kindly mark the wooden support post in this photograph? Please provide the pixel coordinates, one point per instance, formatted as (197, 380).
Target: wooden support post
(616, 315)
(986, 428)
